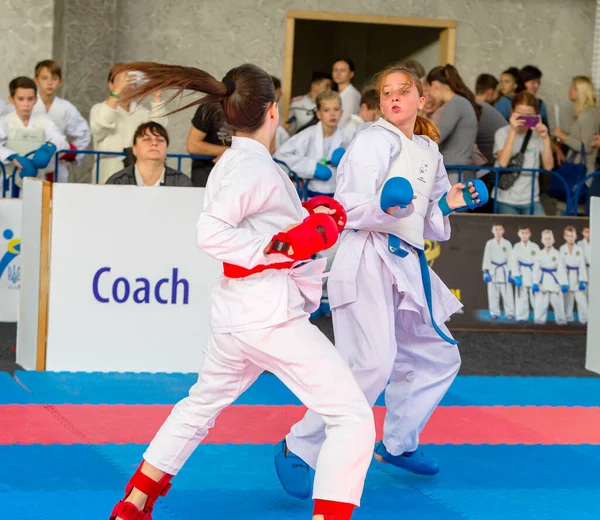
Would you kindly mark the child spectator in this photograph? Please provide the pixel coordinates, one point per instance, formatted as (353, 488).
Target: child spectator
(22, 131)
(508, 83)
(508, 142)
(416, 67)
(48, 78)
(303, 108)
(150, 144)
(343, 72)
(114, 123)
(369, 113)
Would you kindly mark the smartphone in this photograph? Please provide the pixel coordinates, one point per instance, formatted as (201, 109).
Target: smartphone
(530, 121)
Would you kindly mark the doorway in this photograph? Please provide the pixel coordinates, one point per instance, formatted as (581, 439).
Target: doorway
(315, 39)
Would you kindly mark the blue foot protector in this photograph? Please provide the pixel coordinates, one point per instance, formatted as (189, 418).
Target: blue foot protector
(294, 474)
(414, 461)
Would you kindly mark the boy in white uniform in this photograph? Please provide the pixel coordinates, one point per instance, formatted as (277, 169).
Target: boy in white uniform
(114, 123)
(496, 268)
(22, 132)
(550, 282)
(303, 108)
(48, 78)
(343, 72)
(369, 113)
(524, 255)
(577, 276)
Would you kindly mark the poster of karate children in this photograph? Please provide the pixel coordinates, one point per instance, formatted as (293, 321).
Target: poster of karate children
(517, 272)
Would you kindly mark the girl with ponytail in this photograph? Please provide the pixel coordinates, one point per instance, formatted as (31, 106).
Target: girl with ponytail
(459, 123)
(388, 307)
(254, 222)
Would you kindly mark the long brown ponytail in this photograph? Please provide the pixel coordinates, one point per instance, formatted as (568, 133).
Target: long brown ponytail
(422, 126)
(245, 93)
(448, 75)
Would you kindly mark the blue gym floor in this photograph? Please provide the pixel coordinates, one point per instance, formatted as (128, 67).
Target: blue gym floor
(552, 480)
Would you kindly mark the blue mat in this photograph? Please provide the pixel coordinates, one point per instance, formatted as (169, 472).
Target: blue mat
(12, 392)
(238, 481)
(144, 388)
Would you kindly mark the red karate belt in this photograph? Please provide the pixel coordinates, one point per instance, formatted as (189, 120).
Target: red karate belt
(235, 271)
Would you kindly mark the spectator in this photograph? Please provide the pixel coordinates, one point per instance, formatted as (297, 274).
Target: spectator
(459, 122)
(114, 123)
(210, 135)
(281, 135)
(22, 132)
(530, 79)
(150, 143)
(303, 108)
(508, 83)
(491, 120)
(369, 113)
(586, 124)
(343, 72)
(48, 78)
(485, 88)
(508, 142)
(314, 153)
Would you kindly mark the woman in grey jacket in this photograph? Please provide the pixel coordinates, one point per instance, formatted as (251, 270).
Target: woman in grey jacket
(586, 124)
(150, 144)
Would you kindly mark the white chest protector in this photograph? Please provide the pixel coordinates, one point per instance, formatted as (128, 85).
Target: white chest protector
(419, 166)
(25, 139)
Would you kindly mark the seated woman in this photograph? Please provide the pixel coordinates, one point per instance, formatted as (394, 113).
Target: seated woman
(150, 144)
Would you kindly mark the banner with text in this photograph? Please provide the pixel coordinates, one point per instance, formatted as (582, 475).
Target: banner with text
(10, 262)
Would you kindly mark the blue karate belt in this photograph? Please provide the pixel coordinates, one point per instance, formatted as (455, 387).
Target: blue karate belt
(572, 268)
(394, 247)
(523, 264)
(550, 271)
(500, 266)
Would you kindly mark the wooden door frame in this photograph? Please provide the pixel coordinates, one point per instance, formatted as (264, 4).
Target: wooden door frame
(447, 38)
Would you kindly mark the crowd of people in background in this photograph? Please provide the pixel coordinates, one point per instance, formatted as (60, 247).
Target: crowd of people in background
(502, 122)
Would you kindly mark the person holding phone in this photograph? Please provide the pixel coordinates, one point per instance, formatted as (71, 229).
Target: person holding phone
(524, 123)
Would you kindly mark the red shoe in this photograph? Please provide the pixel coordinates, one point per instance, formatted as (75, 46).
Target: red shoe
(143, 483)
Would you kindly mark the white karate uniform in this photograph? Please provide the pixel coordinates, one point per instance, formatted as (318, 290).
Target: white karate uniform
(281, 136)
(353, 127)
(113, 130)
(260, 322)
(585, 247)
(304, 150)
(71, 124)
(576, 272)
(550, 275)
(496, 260)
(302, 111)
(16, 138)
(380, 315)
(522, 263)
(350, 104)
